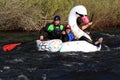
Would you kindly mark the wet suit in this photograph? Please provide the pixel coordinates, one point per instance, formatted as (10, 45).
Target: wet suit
(52, 31)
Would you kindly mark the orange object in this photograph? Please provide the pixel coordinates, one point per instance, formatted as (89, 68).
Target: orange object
(10, 47)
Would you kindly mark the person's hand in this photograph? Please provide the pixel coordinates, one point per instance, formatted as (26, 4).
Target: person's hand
(90, 23)
(63, 32)
(76, 38)
(86, 26)
(41, 38)
(87, 32)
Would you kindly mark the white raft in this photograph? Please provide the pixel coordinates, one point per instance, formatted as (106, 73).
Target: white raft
(56, 45)
(50, 45)
(73, 46)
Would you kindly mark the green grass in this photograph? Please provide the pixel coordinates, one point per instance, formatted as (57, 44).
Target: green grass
(32, 15)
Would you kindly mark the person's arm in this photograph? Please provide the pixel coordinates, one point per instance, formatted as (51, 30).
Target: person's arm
(43, 31)
(63, 30)
(86, 26)
(64, 38)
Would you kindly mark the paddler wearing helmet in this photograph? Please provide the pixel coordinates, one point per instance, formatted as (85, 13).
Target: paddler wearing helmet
(52, 30)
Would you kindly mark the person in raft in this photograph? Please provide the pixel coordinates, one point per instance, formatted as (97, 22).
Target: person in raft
(68, 36)
(84, 27)
(53, 30)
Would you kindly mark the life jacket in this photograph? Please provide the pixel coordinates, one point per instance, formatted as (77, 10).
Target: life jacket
(53, 27)
(54, 31)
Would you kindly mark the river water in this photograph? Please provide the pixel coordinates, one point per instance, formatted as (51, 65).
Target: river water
(26, 63)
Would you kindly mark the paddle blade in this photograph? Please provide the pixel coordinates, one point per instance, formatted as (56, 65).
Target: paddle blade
(9, 47)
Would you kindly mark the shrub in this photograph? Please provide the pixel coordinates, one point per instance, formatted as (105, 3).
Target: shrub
(32, 15)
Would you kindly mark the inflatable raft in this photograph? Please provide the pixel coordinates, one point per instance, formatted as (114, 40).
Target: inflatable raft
(58, 45)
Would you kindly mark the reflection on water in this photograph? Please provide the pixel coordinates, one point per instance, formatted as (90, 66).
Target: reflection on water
(26, 63)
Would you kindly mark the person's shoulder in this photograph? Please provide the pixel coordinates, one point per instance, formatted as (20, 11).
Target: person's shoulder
(48, 24)
(62, 24)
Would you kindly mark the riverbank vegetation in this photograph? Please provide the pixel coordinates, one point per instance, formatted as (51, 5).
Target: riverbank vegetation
(32, 15)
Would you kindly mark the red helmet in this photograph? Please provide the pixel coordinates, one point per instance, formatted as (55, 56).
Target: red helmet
(68, 26)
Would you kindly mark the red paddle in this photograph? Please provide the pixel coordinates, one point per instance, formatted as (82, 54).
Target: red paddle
(9, 47)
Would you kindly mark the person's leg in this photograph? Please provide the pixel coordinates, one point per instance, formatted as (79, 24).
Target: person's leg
(99, 41)
(86, 39)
